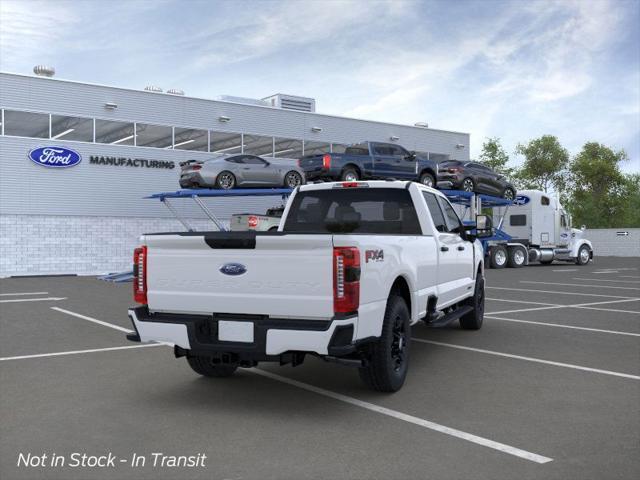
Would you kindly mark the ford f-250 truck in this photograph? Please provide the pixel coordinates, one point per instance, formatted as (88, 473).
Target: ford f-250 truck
(370, 160)
(353, 266)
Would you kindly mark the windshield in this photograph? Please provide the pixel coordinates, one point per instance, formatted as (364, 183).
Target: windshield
(353, 210)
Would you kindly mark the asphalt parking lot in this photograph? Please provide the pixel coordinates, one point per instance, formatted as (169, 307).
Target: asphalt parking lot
(548, 388)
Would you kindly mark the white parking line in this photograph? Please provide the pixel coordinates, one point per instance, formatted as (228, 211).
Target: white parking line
(603, 280)
(581, 285)
(94, 320)
(531, 359)
(527, 309)
(577, 305)
(521, 301)
(22, 293)
(485, 442)
(75, 352)
(560, 293)
(629, 276)
(47, 299)
(566, 270)
(598, 330)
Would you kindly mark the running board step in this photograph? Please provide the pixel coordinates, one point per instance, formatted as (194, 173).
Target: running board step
(447, 318)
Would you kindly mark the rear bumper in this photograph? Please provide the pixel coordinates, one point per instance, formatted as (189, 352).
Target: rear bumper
(271, 336)
(321, 174)
(188, 180)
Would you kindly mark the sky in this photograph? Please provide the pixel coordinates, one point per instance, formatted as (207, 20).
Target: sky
(510, 69)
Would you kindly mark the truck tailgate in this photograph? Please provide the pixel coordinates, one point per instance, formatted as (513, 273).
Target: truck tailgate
(284, 275)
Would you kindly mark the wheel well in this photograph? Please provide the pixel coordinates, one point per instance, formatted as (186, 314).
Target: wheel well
(354, 166)
(401, 287)
(428, 170)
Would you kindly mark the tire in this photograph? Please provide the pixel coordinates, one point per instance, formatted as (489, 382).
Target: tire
(517, 257)
(293, 179)
(204, 365)
(225, 180)
(499, 256)
(509, 194)
(427, 179)
(473, 320)
(468, 185)
(349, 174)
(584, 255)
(388, 361)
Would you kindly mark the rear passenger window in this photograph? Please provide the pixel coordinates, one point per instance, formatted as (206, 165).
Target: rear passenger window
(518, 220)
(435, 211)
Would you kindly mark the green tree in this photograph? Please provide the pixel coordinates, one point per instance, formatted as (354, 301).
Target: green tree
(494, 156)
(599, 194)
(544, 165)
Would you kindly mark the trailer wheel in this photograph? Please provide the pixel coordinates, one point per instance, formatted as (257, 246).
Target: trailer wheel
(204, 365)
(584, 255)
(517, 257)
(388, 361)
(498, 256)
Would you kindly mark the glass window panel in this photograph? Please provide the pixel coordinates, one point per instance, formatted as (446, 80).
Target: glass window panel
(113, 132)
(316, 148)
(191, 139)
(71, 128)
(338, 148)
(258, 145)
(26, 124)
(229, 143)
(287, 148)
(157, 136)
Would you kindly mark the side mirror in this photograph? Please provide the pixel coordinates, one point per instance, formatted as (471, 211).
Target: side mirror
(411, 156)
(484, 226)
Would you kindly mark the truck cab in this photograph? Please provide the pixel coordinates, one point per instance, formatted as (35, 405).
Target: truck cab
(538, 221)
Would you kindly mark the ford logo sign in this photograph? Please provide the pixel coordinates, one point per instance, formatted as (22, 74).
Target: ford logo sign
(521, 200)
(233, 269)
(55, 157)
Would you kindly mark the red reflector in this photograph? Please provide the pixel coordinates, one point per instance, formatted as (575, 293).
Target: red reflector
(326, 161)
(140, 275)
(253, 221)
(346, 279)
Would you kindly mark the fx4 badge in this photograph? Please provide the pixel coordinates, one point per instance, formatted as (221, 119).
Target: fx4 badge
(374, 256)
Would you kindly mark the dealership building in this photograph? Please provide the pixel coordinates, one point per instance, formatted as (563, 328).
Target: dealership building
(127, 144)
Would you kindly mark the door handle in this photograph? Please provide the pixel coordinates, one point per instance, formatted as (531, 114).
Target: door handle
(444, 249)
(460, 248)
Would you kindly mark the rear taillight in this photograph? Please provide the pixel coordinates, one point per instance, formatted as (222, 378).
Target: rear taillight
(326, 161)
(453, 170)
(196, 167)
(140, 275)
(346, 279)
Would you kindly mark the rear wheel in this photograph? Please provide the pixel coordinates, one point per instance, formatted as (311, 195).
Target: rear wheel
(517, 257)
(468, 185)
(388, 360)
(292, 179)
(225, 180)
(349, 175)
(584, 255)
(204, 365)
(473, 319)
(498, 256)
(427, 180)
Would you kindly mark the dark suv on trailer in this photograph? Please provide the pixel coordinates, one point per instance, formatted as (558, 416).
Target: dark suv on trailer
(474, 177)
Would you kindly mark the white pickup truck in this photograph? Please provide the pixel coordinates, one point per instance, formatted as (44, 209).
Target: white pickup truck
(351, 268)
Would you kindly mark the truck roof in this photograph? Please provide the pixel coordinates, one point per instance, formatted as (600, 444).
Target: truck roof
(369, 184)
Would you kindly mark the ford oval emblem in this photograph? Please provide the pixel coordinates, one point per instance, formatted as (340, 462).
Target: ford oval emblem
(55, 157)
(521, 200)
(233, 269)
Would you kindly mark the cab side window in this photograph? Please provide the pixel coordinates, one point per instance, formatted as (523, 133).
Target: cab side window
(454, 225)
(436, 212)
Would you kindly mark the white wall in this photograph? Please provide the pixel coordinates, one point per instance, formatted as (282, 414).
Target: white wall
(607, 242)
